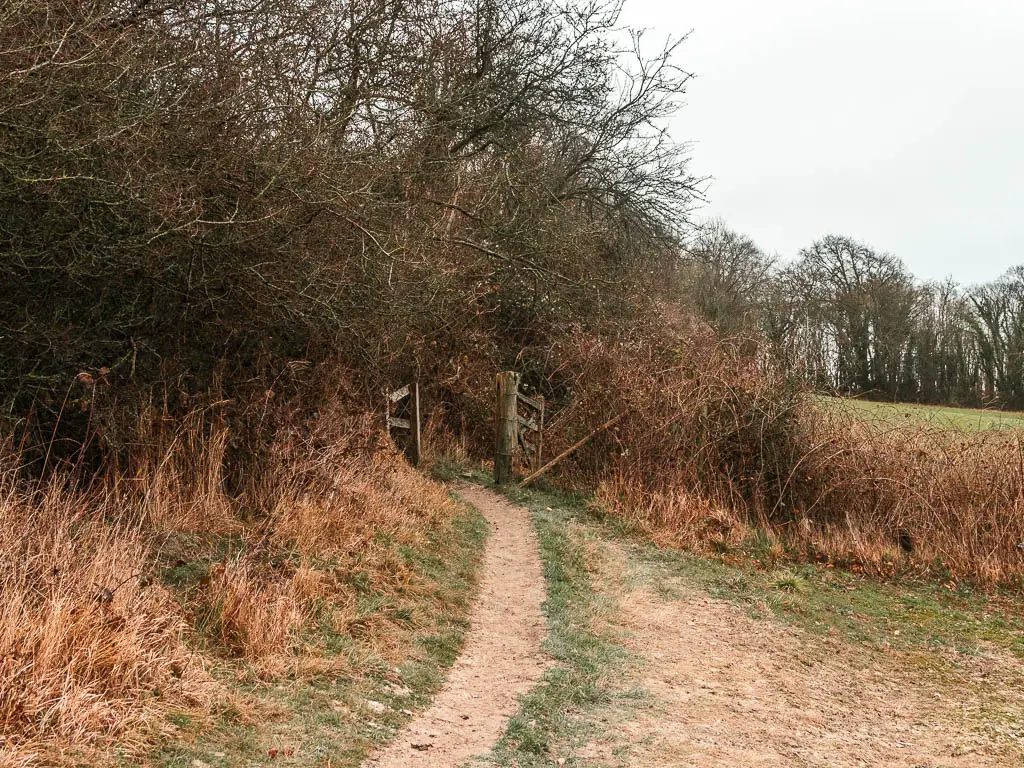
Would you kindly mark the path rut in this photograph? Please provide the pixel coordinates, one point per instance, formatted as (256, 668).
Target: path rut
(502, 657)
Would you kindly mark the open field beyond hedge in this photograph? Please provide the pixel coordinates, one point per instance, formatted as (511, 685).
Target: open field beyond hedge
(965, 419)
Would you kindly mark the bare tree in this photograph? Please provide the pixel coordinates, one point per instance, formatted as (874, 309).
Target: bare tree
(727, 277)
(861, 304)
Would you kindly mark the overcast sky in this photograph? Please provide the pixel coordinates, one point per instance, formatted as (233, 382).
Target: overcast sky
(898, 122)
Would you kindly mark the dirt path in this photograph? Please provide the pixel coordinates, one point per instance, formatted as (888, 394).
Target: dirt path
(502, 657)
(729, 690)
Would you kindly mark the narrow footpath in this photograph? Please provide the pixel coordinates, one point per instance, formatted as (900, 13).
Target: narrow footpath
(502, 657)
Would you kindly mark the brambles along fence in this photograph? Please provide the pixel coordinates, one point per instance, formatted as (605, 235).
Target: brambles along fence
(512, 429)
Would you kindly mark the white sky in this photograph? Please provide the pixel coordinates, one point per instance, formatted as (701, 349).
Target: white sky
(897, 122)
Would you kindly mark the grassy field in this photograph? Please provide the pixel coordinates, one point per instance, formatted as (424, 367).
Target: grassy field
(964, 419)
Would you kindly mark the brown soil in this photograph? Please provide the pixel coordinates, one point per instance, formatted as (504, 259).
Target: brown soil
(502, 657)
(729, 690)
(722, 689)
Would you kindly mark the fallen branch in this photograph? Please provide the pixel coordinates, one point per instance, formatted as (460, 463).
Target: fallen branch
(530, 478)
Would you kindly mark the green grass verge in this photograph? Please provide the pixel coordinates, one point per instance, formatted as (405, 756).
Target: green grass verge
(564, 710)
(905, 615)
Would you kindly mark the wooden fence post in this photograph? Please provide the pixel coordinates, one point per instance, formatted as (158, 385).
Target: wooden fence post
(540, 436)
(414, 423)
(507, 389)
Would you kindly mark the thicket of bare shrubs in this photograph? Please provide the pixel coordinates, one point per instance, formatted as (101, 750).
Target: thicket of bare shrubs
(204, 195)
(705, 441)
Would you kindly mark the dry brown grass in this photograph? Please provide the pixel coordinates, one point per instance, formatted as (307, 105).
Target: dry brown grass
(710, 448)
(955, 498)
(90, 648)
(98, 644)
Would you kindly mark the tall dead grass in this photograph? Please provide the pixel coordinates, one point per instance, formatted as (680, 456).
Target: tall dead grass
(949, 500)
(116, 598)
(91, 647)
(710, 448)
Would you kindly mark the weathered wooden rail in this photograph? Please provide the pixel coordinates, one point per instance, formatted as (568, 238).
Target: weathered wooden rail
(410, 394)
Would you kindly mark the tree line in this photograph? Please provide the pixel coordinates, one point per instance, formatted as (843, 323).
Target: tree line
(850, 319)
